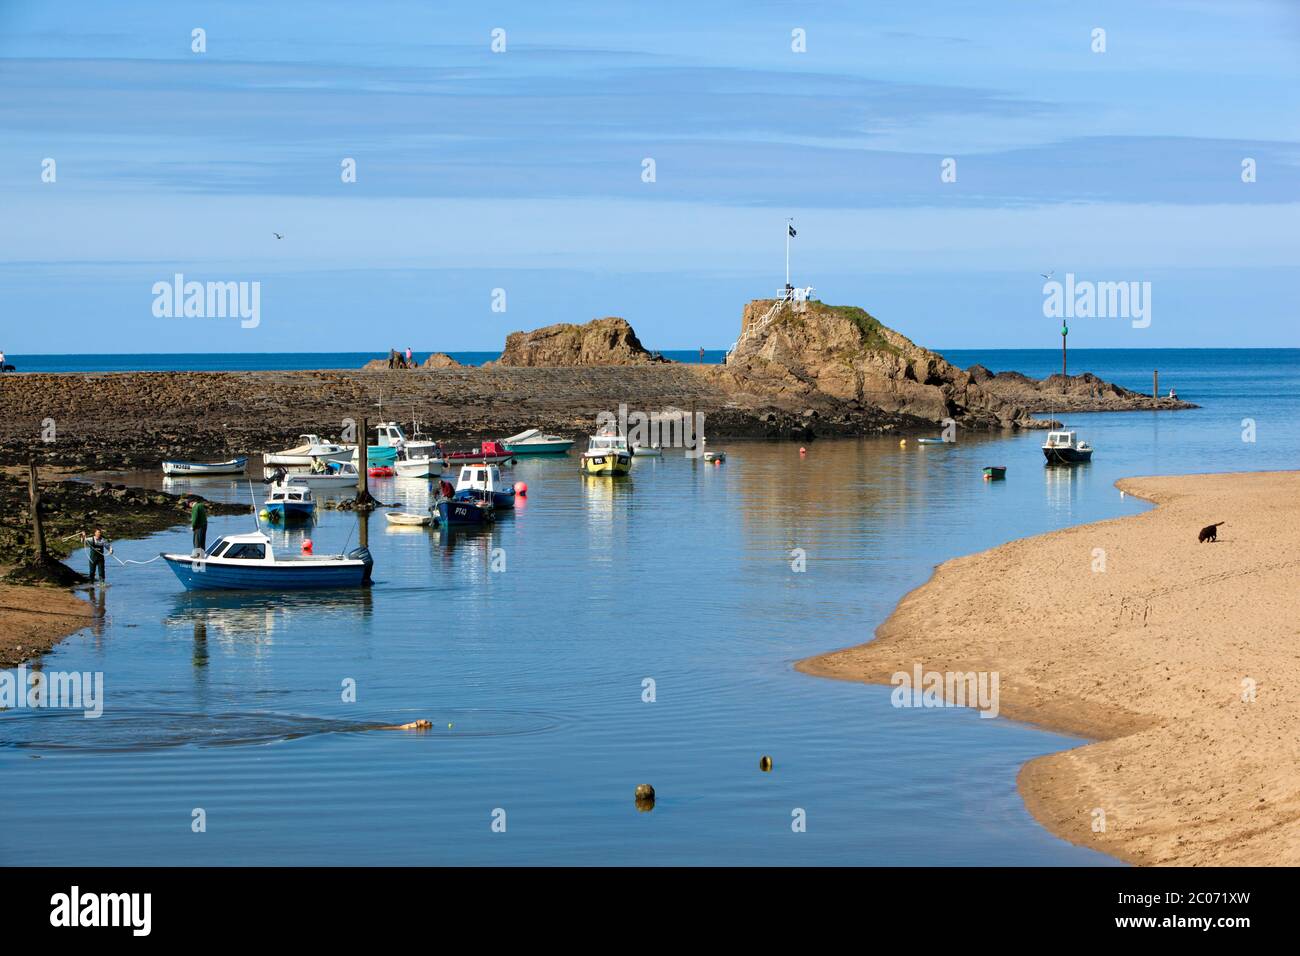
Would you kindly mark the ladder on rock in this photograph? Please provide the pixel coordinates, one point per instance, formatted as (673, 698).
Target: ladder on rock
(787, 297)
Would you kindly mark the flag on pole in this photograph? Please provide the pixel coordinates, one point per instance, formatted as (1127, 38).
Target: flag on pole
(791, 228)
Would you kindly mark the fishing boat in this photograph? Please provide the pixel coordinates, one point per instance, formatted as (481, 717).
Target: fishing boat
(607, 455)
(309, 449)
(249, 562)
(197, 469)
(408, 519)
(338, 474)
(488, 452)
(407, 465)
(534, 442)
(995, 472)
(289, 502)
(1066, 448)
(646, 451)
(464, 512)
(483, 482)
(390, 435)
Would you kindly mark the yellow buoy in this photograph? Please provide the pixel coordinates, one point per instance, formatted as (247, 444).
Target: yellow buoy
(765, 763)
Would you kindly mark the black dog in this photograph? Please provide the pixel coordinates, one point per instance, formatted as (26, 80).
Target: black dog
(1209, 533)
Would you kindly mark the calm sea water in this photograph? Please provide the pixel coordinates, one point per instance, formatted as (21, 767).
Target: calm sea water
(681, 574)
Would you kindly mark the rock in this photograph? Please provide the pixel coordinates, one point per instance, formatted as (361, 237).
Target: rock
(440, 360)
(607, 341)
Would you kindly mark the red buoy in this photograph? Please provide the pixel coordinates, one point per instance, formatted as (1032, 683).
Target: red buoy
(521, 489)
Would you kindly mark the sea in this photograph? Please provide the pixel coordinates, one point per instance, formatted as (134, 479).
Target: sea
(605, 634)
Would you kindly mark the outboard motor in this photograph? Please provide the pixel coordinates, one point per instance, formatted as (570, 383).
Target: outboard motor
(363, 554)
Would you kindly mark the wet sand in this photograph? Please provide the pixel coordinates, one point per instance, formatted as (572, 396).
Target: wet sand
(34, 619)
(1180, 660)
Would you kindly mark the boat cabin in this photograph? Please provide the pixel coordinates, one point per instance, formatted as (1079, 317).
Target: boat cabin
(390, 433)
(479, 478)
(242, 547)
(1062, 439)
(289, 493)
(608, 444)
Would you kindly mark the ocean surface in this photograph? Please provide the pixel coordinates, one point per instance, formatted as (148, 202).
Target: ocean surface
(231, 708)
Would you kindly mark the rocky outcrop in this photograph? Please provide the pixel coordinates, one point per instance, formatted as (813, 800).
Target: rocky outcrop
(440, 360)
(607, 341)
(809, 351)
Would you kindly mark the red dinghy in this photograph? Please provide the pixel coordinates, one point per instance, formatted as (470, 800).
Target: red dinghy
(489, 453)
(380, 471)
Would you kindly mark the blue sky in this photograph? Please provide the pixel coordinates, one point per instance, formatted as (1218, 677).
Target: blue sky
(522, 170)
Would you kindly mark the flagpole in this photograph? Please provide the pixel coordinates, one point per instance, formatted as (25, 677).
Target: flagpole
(787, 252)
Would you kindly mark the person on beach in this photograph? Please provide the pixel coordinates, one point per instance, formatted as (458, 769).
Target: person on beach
(97, 546)
(408, 357)
(199, 524)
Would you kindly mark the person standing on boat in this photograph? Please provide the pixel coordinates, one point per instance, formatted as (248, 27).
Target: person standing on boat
(199, 524)
(97, 546)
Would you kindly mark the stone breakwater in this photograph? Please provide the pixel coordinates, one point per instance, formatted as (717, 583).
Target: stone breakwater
(109, 420)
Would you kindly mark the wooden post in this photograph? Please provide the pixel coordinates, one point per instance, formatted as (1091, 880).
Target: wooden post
(363, 461)
(1155, 384)
(34, 496)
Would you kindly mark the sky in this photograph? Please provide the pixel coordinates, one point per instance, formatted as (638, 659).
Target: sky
(517, 177)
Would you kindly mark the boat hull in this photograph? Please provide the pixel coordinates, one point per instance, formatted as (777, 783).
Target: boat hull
(198, 469)
(463, 513)
(610, 465)
(458, 460)
(406, 519)
(211, 575)
(540, 448)
(995, 472)
(290, 512)
(1066, 456)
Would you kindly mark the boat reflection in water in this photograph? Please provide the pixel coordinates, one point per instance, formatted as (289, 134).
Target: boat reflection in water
(242, 621)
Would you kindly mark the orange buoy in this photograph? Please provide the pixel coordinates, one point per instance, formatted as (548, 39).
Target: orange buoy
(521, 489)
(306, 545)
(803, 451)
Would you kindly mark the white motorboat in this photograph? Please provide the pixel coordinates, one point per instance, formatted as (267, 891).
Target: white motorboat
(1066, 448)
(310, 449)
(393, 444)
(338, 474)
(534, 441)
(718, 456)
(191, 469)
(407, 465)
(249, 562)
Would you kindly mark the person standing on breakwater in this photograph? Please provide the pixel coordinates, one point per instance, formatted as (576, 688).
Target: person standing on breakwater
(199, 524)
(97, 546)
(408, 357)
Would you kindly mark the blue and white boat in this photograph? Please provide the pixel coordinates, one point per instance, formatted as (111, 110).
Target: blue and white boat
(482, 482)
(247, 562)
(290, 502)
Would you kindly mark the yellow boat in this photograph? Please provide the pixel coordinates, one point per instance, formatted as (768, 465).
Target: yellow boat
(606, 455)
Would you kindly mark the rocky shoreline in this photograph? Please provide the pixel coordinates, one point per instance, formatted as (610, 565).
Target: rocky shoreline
(797, 373)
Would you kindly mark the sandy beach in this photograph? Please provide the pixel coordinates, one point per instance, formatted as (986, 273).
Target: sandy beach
(1178, 659)
(34, 619)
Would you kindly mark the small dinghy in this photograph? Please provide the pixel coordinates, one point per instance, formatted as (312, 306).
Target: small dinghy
(995, 472)
(933, 441)
(248, 562)
(408, 519)
(194, 469)
(380, 471)
(646, 451)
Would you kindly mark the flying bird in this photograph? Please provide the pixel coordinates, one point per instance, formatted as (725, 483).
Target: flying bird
(277, 235)
(1048, 275)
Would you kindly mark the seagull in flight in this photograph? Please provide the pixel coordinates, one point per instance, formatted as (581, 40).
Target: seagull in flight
(277, 235)
(1048, 275)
